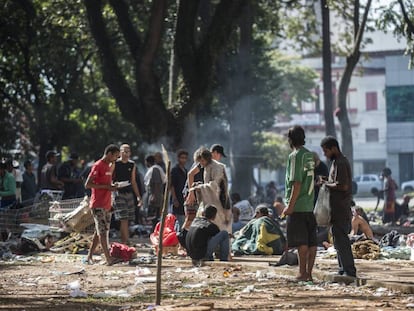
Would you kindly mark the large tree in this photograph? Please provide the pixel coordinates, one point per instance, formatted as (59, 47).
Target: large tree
(137, 90)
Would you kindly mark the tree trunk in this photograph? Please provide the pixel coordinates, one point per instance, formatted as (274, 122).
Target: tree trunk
(241, 142)
(327, 71)
(342, 114)
(351, 62)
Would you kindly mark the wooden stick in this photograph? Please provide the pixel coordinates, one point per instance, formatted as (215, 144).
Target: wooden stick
(162, 225)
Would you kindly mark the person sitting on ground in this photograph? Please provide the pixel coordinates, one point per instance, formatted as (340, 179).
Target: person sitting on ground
(204, 237)
(402, 211)
(237, 223)
(261, 236)
(261, 211)
(360, 225)
(246, 211)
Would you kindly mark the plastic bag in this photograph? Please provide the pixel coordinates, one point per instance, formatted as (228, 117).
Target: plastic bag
(322, 209)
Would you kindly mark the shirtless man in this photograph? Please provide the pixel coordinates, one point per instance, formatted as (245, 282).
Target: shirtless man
(361, 226)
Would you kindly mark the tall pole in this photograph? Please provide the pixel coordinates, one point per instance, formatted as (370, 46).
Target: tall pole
(162, 226)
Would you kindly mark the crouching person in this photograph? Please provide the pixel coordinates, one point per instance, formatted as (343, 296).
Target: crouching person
(204, 238)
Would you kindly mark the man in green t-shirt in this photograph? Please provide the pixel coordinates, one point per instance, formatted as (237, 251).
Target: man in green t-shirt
(301, 223)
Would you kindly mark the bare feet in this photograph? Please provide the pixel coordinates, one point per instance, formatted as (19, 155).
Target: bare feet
(302, 277)
(90, 261)
(111, 261)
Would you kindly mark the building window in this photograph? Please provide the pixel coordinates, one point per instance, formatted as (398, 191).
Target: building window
(371, 101)
(371, 135)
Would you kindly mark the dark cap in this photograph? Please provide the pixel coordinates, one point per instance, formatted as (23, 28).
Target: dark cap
(73, 156)
(50, 154)
(218, 148)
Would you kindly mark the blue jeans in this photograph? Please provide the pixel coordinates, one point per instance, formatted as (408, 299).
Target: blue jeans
(221, 240)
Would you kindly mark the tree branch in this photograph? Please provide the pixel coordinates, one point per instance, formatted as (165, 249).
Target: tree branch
(112, 74)
(185, 48)
(153, 38)
(356, 18)
(410, 24)
(132, 38)
(361, 29)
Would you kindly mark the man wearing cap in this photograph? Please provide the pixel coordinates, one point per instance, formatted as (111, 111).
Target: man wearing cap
(217, 152)
(68, 175)
(48, 175)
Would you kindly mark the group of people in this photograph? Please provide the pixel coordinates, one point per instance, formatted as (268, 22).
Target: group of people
(202, 190)
(17, 187)
(200, 200)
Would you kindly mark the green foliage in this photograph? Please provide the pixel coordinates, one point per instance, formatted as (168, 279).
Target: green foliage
(392, 18)
(52, 89)
(272, 148)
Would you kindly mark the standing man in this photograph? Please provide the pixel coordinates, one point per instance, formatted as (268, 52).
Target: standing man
(178, 179)
(100, 181)
(389, 188)
(29, 187)
(7, 187)
(154, 181)
(217, 152)
(69, 176)
(301, 222)
(128, 197)
(340, 188)
(48, 175)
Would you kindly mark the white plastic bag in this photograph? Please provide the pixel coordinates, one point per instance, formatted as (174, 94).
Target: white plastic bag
(322, 209)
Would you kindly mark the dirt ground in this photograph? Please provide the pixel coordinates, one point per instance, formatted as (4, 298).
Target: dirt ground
(46, 282)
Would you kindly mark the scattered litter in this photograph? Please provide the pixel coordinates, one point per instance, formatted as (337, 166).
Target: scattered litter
(248, 289)
(197, 285)
(113, 293)
(75, 290)
(381, 291)
(311, 287)
(148, 279)
(142, 271)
